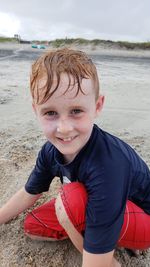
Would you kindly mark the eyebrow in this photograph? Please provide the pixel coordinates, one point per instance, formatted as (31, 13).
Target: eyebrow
(77, 107)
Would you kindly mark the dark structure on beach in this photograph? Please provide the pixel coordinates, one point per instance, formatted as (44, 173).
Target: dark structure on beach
(18, 38)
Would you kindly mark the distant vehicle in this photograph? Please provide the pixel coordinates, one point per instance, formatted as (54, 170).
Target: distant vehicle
(38, 46)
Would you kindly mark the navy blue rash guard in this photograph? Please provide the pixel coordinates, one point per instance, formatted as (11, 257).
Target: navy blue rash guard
(111, 171)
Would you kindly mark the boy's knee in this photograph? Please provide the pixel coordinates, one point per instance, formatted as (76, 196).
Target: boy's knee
(70, 205)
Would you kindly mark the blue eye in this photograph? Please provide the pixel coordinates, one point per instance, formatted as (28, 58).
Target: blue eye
(51, 113)
(76, 111)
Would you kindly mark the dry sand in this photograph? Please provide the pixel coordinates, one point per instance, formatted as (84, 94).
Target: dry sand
(126, 113)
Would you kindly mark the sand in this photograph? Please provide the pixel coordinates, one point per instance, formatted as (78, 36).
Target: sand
(126, 114)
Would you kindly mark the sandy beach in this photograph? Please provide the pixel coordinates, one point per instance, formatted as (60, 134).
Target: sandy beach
(125, 82)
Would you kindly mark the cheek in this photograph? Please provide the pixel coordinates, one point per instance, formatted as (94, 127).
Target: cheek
(85, 124)
(48, 127)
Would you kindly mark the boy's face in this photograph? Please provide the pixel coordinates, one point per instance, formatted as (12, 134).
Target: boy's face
(67, 120)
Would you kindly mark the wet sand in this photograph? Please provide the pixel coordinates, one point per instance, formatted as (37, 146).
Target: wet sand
(126, 85)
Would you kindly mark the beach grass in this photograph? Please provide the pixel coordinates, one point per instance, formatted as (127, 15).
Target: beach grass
(81, 41)
(7, 39)
(99, 42)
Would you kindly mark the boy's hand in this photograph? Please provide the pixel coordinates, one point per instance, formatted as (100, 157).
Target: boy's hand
(17, 204)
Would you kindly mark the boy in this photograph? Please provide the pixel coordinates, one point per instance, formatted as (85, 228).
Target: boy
(66, 100)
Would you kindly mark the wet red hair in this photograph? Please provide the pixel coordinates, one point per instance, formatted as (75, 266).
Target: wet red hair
(75, 64)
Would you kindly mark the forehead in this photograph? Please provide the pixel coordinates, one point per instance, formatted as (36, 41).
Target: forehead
(67, 90)
(70, 92)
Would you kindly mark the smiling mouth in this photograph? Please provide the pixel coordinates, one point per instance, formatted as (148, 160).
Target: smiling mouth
(67, 139)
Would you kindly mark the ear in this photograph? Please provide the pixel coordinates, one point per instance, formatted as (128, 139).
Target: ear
(99, 104)
(34, 108)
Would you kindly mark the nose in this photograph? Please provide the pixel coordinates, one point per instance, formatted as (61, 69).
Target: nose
(64, 126)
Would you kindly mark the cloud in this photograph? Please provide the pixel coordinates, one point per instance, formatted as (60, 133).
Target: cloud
(118, 19)
(8, 24)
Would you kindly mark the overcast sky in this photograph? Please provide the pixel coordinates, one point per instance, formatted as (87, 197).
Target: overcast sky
(102, 19)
